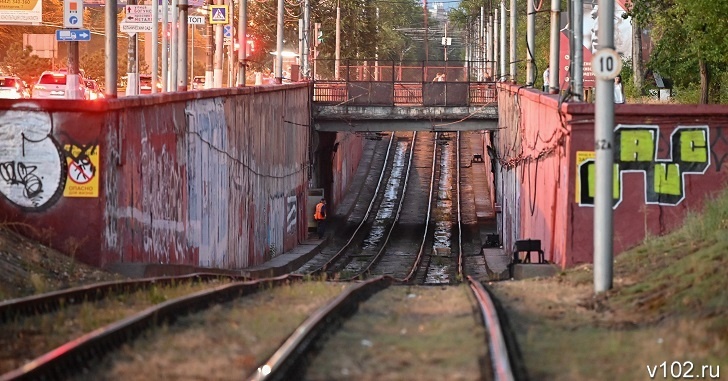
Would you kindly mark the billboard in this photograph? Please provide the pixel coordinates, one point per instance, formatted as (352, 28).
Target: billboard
(21, 12)
(590, 25)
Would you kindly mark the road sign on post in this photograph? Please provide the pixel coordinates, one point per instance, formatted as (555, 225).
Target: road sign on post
(73, 35)
(219, 14)
(73, 13)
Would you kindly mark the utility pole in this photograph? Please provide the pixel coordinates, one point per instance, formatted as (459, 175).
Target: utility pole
(209, 67)
(174, 47)
(496, 49)
(218, 52)
(242, 41)
(279, 42)
(111, 69)
(427, 31)
(530, 43)
(165, 45)
(514, 42)
(503, 40)
(132, 77)
(337, 62)
(306, 39)
(578, 43)
(182, 46)
(555, 43)
(155, 46)
(605, 64)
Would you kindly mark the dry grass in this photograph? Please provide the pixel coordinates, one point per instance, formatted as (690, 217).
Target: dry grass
(407, 333)
(668, 303)
(226, 342)
(28, 338)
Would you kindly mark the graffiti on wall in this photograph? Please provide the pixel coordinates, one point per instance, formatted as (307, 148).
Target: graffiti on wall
(635, 150)
(292, 216)
(32, 164)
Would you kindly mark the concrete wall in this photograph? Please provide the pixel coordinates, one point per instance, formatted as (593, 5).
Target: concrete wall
(349, 149)
(216, 178)
(668, 160)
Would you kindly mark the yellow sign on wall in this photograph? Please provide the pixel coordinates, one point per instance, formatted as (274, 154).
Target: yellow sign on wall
(581, 157)
(83, 171)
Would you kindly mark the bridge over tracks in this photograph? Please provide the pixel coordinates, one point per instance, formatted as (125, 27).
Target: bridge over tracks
(369, 96)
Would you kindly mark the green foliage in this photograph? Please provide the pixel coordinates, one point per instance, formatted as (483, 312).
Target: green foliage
(23, 63)
(686, 33)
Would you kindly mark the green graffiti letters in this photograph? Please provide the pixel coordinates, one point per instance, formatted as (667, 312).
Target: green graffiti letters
(635, 150)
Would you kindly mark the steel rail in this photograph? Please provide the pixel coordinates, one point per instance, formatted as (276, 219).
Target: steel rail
(420, 252)
(341, 252)
(499, 357)
(365, 271)
(288, 362)
(51, 301)
(73, 356)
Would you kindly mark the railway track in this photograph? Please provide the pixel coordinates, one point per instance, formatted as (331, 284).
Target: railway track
(410, 169)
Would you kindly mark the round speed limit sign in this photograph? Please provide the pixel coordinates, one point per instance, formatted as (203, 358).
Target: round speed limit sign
(606, 64)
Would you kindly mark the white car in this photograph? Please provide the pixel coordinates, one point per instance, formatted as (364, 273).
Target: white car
(12, 87)
(52, 85)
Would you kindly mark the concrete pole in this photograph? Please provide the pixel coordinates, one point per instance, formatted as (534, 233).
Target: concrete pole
(514, 40)
(481, 44)
(111, 69)
(231, 47)
(554, 47)
(376, 52)
(219, 46)
(209, 77)
(604, 141)
(530, 43)
(73, 80)
(578, 43)
(132, 77)
(489, 44)
(242, 41)
(306, 40)
(337, 62)
(174, 47)
(279, 43)
(496, 50)
(504, 24)
(300, 42)
(182, 47)
(165, 45)
(155, 46)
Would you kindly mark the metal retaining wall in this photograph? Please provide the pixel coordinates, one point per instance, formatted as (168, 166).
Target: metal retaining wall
(214, 178)
(668, 160)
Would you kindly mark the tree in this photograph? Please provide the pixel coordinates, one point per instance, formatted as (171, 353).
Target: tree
(691, 44)
(23, 63)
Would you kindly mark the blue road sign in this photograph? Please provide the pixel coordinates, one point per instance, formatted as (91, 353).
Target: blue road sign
(227, 31)
(73, 35)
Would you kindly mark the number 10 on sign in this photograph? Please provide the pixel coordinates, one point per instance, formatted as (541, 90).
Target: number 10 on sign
(606, 64)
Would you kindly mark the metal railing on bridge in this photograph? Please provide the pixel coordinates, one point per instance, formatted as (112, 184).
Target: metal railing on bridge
(403, 83)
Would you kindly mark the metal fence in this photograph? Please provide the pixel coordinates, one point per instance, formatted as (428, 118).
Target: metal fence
(403, 83)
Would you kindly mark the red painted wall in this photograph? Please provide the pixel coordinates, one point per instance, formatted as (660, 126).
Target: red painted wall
(540, 146)
(213, 178)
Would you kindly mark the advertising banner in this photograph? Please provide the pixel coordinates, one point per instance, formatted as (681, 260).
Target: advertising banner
(21, 11)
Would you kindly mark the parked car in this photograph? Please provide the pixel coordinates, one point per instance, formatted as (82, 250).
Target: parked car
(198, 83)
(12, 87)
(93, 90)
(145, 84)
(52, 85)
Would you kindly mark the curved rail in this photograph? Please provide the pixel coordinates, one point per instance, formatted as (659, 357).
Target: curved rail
(341, 252)
(288, 361)
(381, 251)
(75, 355)
(51, 301)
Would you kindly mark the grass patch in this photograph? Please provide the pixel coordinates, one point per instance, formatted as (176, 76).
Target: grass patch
(668, 304)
